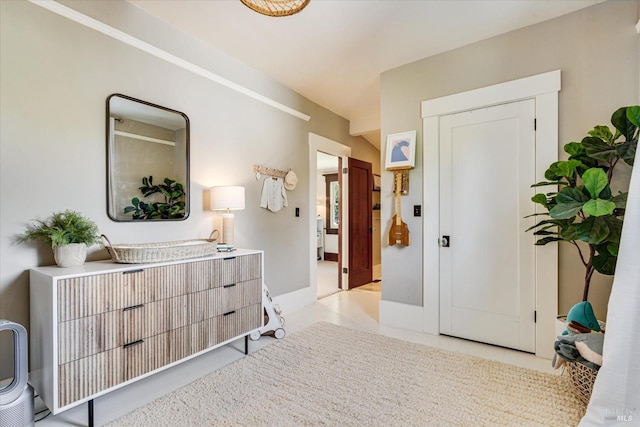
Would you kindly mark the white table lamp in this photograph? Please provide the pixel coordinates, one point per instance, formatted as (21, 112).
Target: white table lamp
(227, 198)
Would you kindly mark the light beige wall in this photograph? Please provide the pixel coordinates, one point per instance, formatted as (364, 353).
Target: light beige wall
(55, 76)
(597, 50)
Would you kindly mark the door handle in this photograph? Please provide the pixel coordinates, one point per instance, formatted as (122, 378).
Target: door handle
(445, 242)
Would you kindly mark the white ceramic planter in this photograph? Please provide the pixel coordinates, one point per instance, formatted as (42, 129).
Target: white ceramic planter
(561, 324)
(71, 255)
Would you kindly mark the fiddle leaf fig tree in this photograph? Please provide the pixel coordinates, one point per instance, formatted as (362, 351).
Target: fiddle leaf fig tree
(585, 209)
(171, 203)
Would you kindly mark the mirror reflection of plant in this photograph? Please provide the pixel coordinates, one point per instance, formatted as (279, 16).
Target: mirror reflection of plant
(173, 206)
(585, 208)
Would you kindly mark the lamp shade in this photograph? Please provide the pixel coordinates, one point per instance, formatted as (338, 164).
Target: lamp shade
(227, 198)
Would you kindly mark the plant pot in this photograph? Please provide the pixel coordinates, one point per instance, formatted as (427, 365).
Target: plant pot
(561, 324)
(71, 255)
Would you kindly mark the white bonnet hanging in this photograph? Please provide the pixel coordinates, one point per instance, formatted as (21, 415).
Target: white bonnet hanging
(290, 181)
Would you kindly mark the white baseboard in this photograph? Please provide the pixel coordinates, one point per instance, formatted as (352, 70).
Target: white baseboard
(295, 300)
(402, 316)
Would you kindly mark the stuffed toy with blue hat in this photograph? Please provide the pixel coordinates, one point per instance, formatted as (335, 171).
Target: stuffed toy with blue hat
(582, 313)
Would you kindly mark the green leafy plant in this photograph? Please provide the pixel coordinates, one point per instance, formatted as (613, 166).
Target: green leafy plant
(585, 209)
(171, 207)
(63, 228)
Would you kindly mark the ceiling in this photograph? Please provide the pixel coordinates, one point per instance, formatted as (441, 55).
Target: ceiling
(334, 50)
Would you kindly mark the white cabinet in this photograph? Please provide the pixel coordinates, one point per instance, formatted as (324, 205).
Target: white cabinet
(97, 327)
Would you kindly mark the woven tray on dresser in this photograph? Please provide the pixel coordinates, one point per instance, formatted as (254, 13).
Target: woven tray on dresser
(139, 253)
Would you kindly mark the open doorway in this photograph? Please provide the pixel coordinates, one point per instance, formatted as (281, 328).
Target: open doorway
(328, 217)
(356, 184)
(324, 145)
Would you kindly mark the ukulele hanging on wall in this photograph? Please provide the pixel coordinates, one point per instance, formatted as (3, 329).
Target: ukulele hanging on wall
(399, 233)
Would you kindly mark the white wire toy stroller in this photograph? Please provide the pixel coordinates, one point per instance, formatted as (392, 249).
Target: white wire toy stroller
(274, 322)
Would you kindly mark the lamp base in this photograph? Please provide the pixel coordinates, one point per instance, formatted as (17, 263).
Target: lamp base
(227, 228)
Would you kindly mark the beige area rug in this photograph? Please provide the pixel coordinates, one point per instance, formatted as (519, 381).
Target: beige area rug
(333, 376)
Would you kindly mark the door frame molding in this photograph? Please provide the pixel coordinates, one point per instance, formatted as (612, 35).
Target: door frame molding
(543, 88)
(320, 143)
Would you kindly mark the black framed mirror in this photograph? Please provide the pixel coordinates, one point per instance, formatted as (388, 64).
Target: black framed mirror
(147, 161)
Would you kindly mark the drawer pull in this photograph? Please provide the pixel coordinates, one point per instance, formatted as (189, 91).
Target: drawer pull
(133, 271)
(133, 307)
(231, 312)
(131, 344)
(229, 259)
(229, 286)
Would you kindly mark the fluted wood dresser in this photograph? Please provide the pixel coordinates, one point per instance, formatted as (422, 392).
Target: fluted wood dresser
(98, 327)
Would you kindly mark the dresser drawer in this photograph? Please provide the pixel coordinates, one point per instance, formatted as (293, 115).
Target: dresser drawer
(89, 375)
(204, 334)
(213, 302)
(90, 295)
(238, 322)
(166, 282)
(238, 295)
(209, 274)
(86, 336)
(142, 356)
(146, 320)
(149, 354)
(79, 338)
(203, 275)
(240, 269)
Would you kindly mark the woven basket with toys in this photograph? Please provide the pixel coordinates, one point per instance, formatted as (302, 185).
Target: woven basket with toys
(579, 349)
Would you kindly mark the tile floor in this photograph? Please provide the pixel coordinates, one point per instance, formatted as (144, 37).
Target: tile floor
(357, 309)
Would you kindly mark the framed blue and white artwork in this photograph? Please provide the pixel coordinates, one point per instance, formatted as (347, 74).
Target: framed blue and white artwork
(401, 150)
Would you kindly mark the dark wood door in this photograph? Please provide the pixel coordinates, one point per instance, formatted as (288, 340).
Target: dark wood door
(360, 223)
(340, 204)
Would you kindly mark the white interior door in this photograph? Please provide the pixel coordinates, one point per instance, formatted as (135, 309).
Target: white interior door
(487, 282)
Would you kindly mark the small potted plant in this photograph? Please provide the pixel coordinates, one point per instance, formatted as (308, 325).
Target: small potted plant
(68, 232)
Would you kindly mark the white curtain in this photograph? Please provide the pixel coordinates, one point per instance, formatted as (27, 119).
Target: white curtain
(616, 394)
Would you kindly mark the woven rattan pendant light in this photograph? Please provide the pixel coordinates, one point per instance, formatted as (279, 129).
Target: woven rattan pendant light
(276, 7)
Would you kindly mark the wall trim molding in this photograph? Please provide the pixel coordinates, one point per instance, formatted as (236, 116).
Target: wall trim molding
(399, 315)
(293, 301)
(328, 146)
(514, 90)
(112, 32)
